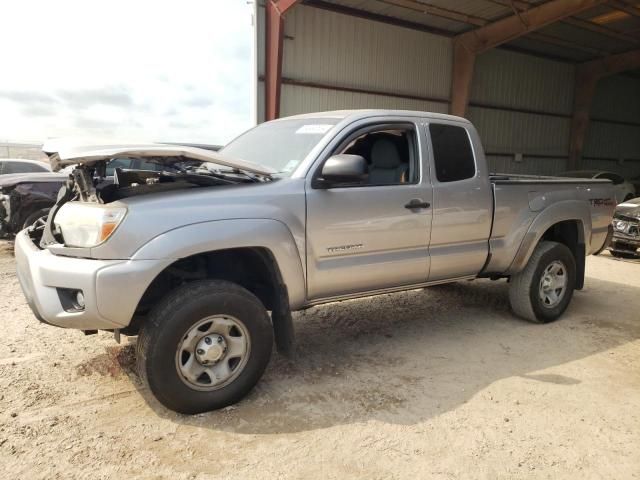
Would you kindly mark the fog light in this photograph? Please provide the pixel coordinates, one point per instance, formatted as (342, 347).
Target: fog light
(80, 299)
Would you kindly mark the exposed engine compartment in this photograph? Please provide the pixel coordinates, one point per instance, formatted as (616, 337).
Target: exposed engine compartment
(90, 183)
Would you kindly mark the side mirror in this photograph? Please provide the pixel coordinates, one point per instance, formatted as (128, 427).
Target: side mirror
(343, 169)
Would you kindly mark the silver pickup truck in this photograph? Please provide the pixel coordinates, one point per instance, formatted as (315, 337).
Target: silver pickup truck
(206, 261)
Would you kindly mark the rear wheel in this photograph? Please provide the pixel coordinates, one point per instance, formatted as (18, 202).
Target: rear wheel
(204, 346)
(542, 291)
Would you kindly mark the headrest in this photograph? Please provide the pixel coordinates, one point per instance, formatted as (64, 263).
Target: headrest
(384, 154)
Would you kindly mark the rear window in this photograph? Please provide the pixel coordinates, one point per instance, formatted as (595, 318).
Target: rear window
(452, 153)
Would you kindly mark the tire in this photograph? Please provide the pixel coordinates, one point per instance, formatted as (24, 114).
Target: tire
(525, 286)
(160, 348)
(31, 219)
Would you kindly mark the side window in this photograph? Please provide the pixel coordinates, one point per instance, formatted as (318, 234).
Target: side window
(391, 155)
(452, 153)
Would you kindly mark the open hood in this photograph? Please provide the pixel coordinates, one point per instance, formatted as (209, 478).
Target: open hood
(61, 156)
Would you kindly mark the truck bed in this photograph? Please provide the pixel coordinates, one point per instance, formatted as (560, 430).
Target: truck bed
(521, 200)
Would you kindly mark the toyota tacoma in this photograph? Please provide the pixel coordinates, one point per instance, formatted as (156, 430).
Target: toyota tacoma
(206, 262)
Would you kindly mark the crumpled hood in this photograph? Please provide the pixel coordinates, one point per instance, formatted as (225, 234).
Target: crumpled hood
(61, 155)
(630, 208)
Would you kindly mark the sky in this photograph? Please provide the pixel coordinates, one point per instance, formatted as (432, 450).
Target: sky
(133, 70)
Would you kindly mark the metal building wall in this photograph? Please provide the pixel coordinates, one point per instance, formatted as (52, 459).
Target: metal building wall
(521, 104)
(615, 145)
(339, 50)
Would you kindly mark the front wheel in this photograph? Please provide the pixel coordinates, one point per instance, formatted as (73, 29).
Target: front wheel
(542, 291)
(204, 346)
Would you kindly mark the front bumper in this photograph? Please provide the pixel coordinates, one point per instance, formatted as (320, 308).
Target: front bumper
(625, 239)
(112, 289)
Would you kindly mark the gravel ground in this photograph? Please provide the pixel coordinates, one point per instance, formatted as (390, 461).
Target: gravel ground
(436, 383)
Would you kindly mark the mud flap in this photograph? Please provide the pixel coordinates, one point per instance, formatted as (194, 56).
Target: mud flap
(580, 265)
(283, 325)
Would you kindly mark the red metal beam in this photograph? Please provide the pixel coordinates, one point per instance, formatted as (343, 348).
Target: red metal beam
(468, 45)
(275, 10)
(587, 76)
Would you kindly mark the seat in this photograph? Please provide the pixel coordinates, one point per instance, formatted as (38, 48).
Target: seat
(386, 165)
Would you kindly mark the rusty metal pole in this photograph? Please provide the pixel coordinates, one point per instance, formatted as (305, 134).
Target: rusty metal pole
(585, 89)
(587, 76)
(275, 10)
(462, 75)
(273, 60)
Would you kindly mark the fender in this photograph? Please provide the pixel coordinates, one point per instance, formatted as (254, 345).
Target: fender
(236, 233)
(556, 213)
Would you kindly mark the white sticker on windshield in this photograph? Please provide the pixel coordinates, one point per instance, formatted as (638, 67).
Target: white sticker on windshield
(317, 129)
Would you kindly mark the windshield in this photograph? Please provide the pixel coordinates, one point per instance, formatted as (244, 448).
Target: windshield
(280, 145)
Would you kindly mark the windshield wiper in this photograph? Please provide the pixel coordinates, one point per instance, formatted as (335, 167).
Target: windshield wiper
(251, 176)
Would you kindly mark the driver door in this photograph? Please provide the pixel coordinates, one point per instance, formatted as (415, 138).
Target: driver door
(366, 237)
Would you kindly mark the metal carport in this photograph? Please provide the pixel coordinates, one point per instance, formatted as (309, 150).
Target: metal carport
(551, 85)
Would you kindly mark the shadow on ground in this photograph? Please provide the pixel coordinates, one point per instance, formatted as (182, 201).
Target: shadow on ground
(406, 357)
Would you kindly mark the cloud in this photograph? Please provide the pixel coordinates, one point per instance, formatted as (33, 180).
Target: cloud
(109, 95)
(27, 97)
(199, 101)
(190, 86)
(39, 110)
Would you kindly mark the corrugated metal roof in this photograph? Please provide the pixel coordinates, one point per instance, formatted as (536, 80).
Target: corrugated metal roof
(571, 42)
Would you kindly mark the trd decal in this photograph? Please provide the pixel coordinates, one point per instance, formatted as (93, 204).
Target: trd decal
(602, 202)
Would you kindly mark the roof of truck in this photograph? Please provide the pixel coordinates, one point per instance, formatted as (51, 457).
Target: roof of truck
(365, 113)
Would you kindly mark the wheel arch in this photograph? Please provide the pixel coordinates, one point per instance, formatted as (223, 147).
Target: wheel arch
(259, 255)
(568, 223)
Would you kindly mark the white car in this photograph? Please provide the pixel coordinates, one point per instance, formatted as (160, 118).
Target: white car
(624, 189)
(21, 165)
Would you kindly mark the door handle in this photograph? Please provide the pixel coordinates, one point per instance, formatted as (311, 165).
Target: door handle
(417, 203)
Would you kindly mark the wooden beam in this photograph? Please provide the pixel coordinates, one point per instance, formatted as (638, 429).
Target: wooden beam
(586, 81)
(464, 61)
(561, 42)
(585, 89)
(524, 5)
(632, 10)
(517, 25)
(468, 45)
(594, 27)
(275, 10)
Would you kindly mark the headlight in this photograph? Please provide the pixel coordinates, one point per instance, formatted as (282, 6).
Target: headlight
(87, 224)
(620, 225)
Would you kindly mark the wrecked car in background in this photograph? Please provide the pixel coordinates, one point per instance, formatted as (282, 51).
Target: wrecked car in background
(25, 197)
(626, 229)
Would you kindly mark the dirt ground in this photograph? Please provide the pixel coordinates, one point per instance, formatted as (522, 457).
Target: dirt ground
(437, 383)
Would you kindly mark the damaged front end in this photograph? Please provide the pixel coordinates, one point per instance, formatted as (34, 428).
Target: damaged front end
(86, 212)
(626, 229)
